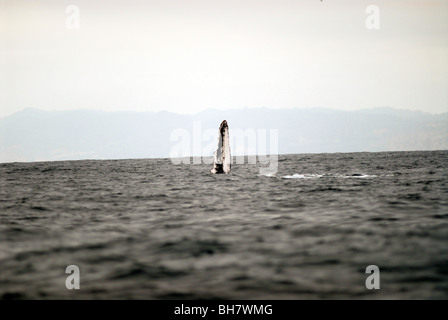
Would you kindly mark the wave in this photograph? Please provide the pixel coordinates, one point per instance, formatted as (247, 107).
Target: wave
(303, 176)
(361, 176)
(314, 176)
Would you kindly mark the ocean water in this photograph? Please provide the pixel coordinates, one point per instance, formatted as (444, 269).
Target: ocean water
(149, 229)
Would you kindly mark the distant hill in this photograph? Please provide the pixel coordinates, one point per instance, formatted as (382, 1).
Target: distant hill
(35, 135)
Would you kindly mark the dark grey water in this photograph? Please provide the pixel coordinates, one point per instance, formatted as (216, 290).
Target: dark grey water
(149, 229)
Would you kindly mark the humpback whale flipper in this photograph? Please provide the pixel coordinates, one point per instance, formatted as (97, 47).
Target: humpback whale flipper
(222, 154)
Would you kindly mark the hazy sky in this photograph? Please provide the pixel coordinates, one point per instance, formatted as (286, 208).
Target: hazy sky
(187, 55)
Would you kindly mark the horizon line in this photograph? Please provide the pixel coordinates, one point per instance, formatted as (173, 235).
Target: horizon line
(234, 156)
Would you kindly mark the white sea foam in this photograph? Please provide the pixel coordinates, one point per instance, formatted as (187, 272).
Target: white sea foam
(361, 176)
(314, 176)
(303, 176)
(268, 174)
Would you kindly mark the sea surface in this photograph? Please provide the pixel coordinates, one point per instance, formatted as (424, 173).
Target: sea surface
(150, 229)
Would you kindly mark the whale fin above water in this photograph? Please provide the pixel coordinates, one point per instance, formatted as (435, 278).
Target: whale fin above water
(222, 157)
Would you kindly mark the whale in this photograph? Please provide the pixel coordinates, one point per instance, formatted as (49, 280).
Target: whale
(222, 157)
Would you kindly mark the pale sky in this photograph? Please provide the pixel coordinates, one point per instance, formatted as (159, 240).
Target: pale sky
(185, 56)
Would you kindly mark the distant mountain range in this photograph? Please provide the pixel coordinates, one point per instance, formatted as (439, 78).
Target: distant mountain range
(35, 135)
